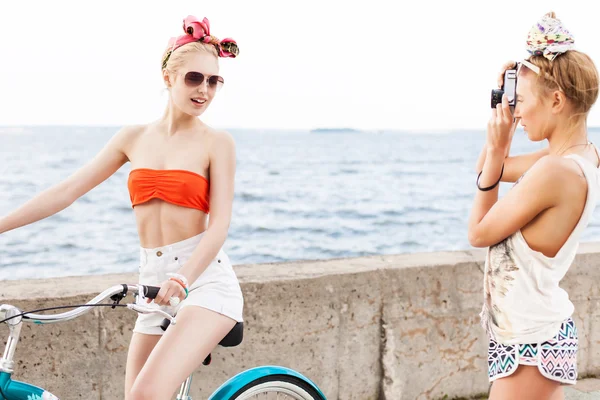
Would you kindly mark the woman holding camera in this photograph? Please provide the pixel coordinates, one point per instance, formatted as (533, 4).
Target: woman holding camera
(533, 232)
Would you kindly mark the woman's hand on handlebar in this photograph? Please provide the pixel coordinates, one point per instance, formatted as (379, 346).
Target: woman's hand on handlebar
(168, 289)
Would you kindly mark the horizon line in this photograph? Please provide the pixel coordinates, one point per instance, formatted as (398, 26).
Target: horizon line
(359, 130)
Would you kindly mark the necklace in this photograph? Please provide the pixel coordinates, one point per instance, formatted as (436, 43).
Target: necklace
(575, 145)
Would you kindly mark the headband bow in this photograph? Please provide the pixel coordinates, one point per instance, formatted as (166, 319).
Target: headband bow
(199, 31)
(549, 38)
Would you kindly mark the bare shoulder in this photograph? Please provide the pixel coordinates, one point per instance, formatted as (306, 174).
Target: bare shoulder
(553, 172)
(130, 132)
(126, 136)
(552, 167)
(220, 141)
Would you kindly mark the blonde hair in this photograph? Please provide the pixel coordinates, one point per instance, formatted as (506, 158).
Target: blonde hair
(574, 73)
(177, 58)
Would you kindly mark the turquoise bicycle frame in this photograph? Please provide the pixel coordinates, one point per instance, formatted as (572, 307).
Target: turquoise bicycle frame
(229, 388)
(15, 390)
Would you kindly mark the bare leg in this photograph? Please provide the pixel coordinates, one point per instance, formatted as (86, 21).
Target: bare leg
(559, 394)
(139, 349)
(183, 347)
(526, 383)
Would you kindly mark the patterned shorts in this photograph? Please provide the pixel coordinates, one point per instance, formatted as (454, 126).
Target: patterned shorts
(556, 358)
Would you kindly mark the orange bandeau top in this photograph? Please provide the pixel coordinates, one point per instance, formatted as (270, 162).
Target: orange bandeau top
(176, 186)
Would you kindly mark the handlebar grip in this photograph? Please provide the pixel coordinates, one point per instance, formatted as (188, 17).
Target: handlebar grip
(151, 291)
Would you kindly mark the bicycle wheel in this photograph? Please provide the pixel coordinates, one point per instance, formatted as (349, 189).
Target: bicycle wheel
(277, 387)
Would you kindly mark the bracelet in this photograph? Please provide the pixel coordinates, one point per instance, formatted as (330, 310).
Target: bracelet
(182, 285)
(494, 185)
(182, 278)
(178, 281)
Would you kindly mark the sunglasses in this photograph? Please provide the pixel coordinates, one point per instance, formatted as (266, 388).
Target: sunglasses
(536, 69)
(195, 79)
(529, 65)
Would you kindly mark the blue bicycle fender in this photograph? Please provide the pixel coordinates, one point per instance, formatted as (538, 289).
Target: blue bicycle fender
(229, 388)
(16, 390)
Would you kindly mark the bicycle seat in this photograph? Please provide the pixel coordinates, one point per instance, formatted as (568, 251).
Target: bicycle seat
(232, 339)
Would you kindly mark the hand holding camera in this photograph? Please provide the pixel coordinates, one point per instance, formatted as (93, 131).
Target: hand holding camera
(502, 125)
(507, 82)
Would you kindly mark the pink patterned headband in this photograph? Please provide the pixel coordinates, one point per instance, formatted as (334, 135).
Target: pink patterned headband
(199, 31)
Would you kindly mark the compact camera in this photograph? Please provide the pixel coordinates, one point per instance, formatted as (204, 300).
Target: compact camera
(509, 86)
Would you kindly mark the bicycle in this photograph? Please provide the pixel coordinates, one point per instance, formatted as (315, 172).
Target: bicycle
(245, 385)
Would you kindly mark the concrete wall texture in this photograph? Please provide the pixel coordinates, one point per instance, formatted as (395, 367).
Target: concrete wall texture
(384, 327)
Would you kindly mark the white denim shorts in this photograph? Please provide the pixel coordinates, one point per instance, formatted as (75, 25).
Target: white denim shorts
(217, 289)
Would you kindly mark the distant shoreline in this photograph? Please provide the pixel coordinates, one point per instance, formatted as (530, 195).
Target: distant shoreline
(347, 130)
(335, 130)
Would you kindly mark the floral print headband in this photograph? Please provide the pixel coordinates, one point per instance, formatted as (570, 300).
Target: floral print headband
(549, 38)
(199, 31)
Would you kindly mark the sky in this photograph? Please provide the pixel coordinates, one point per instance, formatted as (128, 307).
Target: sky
(402, 65)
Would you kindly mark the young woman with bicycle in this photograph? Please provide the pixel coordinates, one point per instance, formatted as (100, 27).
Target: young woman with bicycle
(182, 169)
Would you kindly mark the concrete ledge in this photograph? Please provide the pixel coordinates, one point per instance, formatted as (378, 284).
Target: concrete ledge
(586, 389)
(385, 327)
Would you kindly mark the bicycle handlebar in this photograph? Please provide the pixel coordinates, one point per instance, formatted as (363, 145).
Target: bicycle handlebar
(150, 291)
(147, 291)
(15, 317)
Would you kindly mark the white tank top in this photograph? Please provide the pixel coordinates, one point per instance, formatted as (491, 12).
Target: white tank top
(523, 302)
